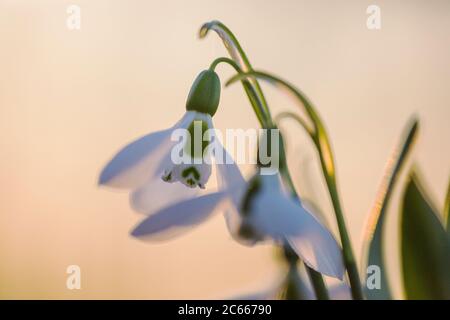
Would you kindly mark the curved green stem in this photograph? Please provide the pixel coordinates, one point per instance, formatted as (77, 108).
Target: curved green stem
(231, 62)
(298, 119)
(233, 46)
(258, 101)
(315, 277)
(248, 88)
(322, 144)
(318, 284)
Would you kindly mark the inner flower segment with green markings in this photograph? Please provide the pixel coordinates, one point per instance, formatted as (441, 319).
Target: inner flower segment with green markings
(193, 171)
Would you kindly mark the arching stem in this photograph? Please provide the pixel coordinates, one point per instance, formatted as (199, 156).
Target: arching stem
(321, 141)
(237, 53)
(248, 88)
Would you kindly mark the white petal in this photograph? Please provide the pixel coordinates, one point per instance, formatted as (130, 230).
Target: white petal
(166, 162)
(132, 166)
(283, 219)
(230, 180)
(315, 245)
(158, 194)
(178, 218)
(228, 174)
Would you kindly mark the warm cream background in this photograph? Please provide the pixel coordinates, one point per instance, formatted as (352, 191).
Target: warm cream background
(70, 99)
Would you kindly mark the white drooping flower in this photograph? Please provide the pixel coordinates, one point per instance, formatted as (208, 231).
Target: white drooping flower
(167, 166)
(255, 211)
(266, 212)
(167, 190)
(151, 156)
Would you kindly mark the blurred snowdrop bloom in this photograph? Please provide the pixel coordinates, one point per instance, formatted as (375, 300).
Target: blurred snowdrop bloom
(255, 210)
(151, 156)
(170, 165)
(180, 216)
(264, 211)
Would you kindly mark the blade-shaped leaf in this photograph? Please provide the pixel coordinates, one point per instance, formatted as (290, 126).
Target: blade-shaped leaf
(373, 239)
(447, 209)
(425, 247)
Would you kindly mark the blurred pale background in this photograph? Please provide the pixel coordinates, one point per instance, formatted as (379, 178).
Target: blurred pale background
(70, 99)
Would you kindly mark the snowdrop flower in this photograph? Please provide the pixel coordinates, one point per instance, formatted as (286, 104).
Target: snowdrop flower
(180, 216)
(256, 210)
(147, 165)
(264, 211)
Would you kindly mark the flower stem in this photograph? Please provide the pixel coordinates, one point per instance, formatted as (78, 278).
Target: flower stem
(259, 103)
(231, 62)
(238, 54)
(318, 284)
(330, 179)
(315, 277)
(321, 141)
(350, 263)
(248, 88)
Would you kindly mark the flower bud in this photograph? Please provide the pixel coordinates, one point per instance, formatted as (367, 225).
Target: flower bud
(205, 93)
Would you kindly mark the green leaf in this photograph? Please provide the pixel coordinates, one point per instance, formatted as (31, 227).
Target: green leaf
(425, 247)
(447, 209)
(373, 240)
